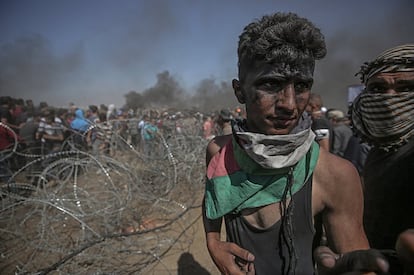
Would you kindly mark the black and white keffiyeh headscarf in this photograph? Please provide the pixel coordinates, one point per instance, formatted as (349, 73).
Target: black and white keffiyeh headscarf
(383, 120)
(397, 59)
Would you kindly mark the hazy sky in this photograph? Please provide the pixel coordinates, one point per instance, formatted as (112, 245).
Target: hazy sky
(96, 51)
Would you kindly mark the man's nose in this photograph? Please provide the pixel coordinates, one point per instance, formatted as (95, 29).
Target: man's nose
(286, 97)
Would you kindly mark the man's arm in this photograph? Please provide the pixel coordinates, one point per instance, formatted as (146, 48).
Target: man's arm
(338, 193)
(58, 137)
(228, 257)
(338, 189)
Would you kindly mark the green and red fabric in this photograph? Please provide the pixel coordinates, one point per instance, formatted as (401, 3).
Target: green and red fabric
(235, 182)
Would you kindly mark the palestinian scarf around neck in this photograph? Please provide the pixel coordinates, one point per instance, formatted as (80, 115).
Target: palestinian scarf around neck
(235, 181)
(273, 151)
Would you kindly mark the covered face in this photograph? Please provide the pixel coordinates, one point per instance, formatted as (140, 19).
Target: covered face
(383, 113)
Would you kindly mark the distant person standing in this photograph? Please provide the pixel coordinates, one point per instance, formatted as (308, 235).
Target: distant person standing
(133, 131)
(91, 135)
(28, 132)
(224, 122)
(50, 133)
(141, 124)
(150, 132)
(7, 139)
(104, 135)
(341, 132)
(208, 128)
(320, 125)
(5, 114)
(80, 125)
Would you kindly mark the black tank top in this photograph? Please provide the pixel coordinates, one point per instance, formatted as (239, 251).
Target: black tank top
(264, 243)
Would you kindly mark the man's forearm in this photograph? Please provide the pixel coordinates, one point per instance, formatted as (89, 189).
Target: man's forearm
(211, 226)
(212, 230)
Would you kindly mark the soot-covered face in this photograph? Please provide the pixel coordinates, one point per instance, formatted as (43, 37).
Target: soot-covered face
(275, 96)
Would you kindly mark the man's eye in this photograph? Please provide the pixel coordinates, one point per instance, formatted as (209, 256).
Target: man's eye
(270, 86)
(302, 86)
(376, 89)
(380, 89)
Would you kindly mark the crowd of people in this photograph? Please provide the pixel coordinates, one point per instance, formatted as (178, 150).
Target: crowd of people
(41, 130)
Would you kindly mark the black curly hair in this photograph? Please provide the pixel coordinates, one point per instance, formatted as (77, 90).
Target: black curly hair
(282, 38)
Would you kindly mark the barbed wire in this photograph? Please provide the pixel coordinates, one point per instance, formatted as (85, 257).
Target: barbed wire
(73, 211)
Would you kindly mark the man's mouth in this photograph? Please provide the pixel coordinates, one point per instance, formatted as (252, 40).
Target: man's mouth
(282, 121)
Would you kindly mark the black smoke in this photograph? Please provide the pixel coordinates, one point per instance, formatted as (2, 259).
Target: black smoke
(30, 69)
(349, 48)
(208, 96)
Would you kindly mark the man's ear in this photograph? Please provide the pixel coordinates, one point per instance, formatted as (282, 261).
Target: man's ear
(238, 91)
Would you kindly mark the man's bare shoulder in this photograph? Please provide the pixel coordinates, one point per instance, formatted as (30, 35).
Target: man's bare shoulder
(215, 145)
(334, 167)
(335, 178)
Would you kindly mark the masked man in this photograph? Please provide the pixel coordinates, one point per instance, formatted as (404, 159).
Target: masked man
(383, 116)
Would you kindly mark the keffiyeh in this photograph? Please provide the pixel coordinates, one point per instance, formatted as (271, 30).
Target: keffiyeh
(397, 59)
(384, 120)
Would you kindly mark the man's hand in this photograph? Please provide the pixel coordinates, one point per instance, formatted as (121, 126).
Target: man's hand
(405, 250)
(357, 262)
(231, 258)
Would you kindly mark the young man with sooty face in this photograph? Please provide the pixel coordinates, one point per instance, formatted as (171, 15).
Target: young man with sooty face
(270, 178)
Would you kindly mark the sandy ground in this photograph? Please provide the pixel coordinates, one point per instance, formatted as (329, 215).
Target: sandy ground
(191, 259)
